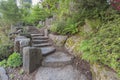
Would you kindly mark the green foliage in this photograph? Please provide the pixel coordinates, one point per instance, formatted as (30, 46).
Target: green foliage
(64, 28)
(25, 10)
(5, 51)
(9, 10)
(14, 60)
(39, 26)
(6, 46)
(3, 63)
(104, 46)
(37, 14)
(94, 24)
(66, 23)
(50, 6)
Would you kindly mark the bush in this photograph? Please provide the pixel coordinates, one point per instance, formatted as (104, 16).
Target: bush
(3, 63)
(104, 46)
(14, 60)
(64, 28)
(37, 14)
(5, 51)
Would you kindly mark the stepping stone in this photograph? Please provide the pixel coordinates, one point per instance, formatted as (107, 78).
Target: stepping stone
(57, 59)
(41, 45)
(36, 34)
(3, 74)
(39, 41)
(47, 50)
(39, 37)
(61, 73)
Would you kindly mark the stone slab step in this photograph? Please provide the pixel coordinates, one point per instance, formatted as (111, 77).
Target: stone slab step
(37, 35)
(47, 50)
(3, 74)
(39, 41)
(61, 73)
(42, 45)
(39, 38)
(57, 59)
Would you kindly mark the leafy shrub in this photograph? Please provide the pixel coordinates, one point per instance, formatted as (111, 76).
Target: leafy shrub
(64, 28)
(14, 60)
(53, 29)
(104, 46)
(3, 63)
(5, 51)
(37, 14)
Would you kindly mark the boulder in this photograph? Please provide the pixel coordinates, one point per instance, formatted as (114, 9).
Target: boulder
(72, 45)
(17, 43)
(103, 73)
(21, 42)
(59, 40)
(32, 59)
(58, 59)
(3, 75)
(24, 43)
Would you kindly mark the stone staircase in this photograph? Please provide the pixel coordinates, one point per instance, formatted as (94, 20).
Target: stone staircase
(56, 64)
(38, 40)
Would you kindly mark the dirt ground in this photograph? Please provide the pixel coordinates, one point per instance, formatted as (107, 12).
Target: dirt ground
(19, 74)
(83, 67)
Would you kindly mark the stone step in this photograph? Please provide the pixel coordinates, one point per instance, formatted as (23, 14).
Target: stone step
(37, 35)
(47, 50)
(39, 41)
(60, 73)
(39, 38)
(57, 59)
(42, 45)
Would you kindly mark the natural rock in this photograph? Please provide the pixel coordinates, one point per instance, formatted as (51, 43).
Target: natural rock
(32, 59)
(60, 73)
(3, 75)
(58, 59)
(24, 43)
(20, 42)
(39, 41)
(17, 43)
(16, 46)
(26, 35)
(41, 45)
(72, 45)
(39, 38)
(59, 40)
(47, 50)
(36, 34)
(103, 73)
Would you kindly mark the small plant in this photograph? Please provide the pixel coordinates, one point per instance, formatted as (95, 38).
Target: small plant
(14, 60)
(21, 72)
(3, 63)
(11, 76)
(39, 26)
